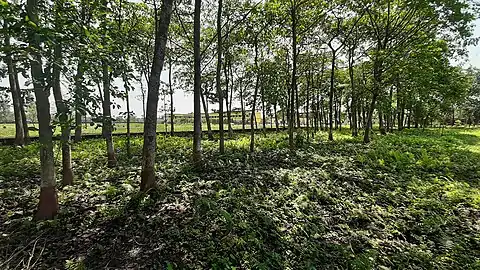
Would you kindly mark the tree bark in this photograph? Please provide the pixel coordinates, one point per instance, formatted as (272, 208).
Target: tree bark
(330, 95)
(294, 79)
(276, 116)
(48, 203)
(172, 109)
(262, 93)
(62, 112)
(143, 93)
(19, 132)
(128, 117)
(381, 123)
(26, 135)
(353, 107)
(78, 101)
(390, 111)
(400, 107)
(218, 77)
(197, 121)
(368, 126)
(377, 75)
(308, 105)
(227, 104)
(316, 103)
(150, 125)
(364, 114)
(340, 109)
(229, 107)
(325, 117)
(253, 117)
(242, 107)
(207, 117)
(107, 126)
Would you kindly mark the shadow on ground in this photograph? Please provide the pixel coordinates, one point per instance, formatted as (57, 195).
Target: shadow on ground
(398, 202)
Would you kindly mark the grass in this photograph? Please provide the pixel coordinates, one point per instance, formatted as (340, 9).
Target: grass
(8, 130)
(408, 200)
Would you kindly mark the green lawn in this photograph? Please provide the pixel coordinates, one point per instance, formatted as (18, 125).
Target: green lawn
(408, 200)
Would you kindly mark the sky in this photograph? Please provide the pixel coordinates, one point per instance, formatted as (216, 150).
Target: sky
(183, 102)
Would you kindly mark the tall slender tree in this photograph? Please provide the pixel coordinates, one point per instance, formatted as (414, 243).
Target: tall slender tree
(197, 85)
(48, 203)
(62, 108)
(218, 77)
(150, 126)
(15, 91)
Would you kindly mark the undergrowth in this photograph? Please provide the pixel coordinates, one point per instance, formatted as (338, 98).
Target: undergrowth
(408, 200)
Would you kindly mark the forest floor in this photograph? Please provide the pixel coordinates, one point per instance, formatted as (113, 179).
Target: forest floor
(408, 200)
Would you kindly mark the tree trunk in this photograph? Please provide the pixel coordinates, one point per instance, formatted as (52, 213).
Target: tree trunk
(330, 95)
(218, 76)
(335, 110)
(242, 107)
(62, 112)
(276, 116)
(308, 105)
(128, 119)
(364, 114)
(227, 82)
(78, 100)
(401, 112)
(390, 111)
(376, 90)
(142, 92)
(320, 114)
(197, 117)
(172, 109)
(368, 126)
(353, 106)
(207, 117)
(340, 110)
(48, 203)
(315, 113)
(325, 116)
(294, 79)
(381, 123)
(26, 135)
(19, 132)
(150, 125)
(264, 117)
(229, 107)
(297, 107)
(227, 101)
(253, 117)
(107, 127)
(349, 114)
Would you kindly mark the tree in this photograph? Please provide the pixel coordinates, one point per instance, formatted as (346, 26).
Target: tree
(395, 26)
(48, 203)
(219, 76)
(197, 122)
(63, 113)
(150, 126)
(15, 91)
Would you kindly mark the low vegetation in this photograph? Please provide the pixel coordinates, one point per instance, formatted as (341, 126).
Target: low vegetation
(408, 200)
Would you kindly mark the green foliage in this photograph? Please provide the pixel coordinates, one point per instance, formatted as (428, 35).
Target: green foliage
(407, 199)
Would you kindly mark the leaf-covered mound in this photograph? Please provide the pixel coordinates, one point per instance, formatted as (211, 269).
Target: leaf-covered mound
(407, 201)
